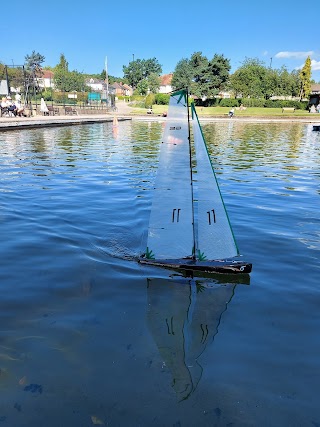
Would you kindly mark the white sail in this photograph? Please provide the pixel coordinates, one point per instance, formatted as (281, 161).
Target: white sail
(215, 239)
(170, 232)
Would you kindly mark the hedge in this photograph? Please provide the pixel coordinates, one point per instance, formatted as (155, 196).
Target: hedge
(162, 99)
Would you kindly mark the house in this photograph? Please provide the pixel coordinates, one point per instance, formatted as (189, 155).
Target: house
(46, 80)
(96, 84)
(224, 95)
(128, 89)
(119, 89)
(165, 83)
(314, 98)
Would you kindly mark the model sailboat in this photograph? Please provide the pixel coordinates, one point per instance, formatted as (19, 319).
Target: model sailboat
(189, 228)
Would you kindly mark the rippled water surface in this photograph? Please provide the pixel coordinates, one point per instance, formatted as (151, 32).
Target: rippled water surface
(90, 337)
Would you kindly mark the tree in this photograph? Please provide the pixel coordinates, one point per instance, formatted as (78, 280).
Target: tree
(151, 66)
(200, 69)
(250, 79)
(305, 77)
(63, 64)
(217, 75)
(203, 77)
(182, 76)
(142, 87)
(140, 69)
(34, 62)
(153, 82)
(33, 68)
(288, 83)
(68, 81)
(134, 72)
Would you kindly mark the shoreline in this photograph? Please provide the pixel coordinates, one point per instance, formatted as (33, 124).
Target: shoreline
(17, 123)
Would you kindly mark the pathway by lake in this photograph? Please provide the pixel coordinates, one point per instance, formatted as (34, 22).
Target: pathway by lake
(90, 337)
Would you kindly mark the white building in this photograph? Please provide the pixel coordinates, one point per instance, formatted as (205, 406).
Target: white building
(96, 84)
(46, 80)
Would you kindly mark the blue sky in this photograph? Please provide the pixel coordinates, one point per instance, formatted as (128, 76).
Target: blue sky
(276, 32)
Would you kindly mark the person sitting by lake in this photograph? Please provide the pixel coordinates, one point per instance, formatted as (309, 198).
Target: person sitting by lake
(19, 108)
(8, 106)
(231, 112)
(11, 106)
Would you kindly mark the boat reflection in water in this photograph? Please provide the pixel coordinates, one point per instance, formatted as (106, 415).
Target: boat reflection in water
(183, 318)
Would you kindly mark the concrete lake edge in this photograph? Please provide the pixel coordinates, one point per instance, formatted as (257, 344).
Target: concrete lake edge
(18, 123)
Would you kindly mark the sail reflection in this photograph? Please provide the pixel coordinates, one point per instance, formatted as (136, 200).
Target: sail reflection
(183, 318)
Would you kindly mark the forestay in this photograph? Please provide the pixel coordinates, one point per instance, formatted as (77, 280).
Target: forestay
(215, 238)
(170, 232)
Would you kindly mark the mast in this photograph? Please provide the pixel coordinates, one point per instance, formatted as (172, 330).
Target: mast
(107, 79)
(191, 178)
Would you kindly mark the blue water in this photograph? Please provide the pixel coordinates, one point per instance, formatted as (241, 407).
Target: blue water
(90, 337)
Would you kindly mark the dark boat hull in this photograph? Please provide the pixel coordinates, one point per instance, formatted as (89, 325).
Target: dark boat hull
(215, 266)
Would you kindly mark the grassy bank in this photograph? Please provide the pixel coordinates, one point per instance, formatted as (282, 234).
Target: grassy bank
(223, 111)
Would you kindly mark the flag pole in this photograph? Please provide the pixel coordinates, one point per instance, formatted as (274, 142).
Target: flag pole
(107, 80)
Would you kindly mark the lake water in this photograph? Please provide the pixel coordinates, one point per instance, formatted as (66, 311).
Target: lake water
(90, 337)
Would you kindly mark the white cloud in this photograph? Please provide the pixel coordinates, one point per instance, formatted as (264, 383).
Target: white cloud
(294, 55)
(315, 65)
(265, 53)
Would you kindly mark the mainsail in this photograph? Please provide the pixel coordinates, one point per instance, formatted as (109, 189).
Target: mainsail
(215, 239)
(170, 233)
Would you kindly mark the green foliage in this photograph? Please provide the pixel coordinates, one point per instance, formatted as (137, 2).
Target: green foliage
(63, 64)
(153, 82)
(202, 77)
(141, 69)
(229, 102)
(182, 76)
(250, 79)
(47, 95)
(15, 76)
(68, 81)
(281, 103)
(209, 102)
(142, 87)
(252, 102)
(253, 79)
(62, 98)
(162, 99)
(305, 76)
(34, 61)
(150, 100)
(136, 97)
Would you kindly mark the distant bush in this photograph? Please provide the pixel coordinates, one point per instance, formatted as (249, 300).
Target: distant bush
(162, 99)
(251, 102)
(46, 95)
(138, 98)
(281, 103)
(210, 102)
(150, 100)
(228, 102)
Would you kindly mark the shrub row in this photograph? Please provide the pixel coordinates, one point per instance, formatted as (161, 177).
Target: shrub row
(251, 102)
